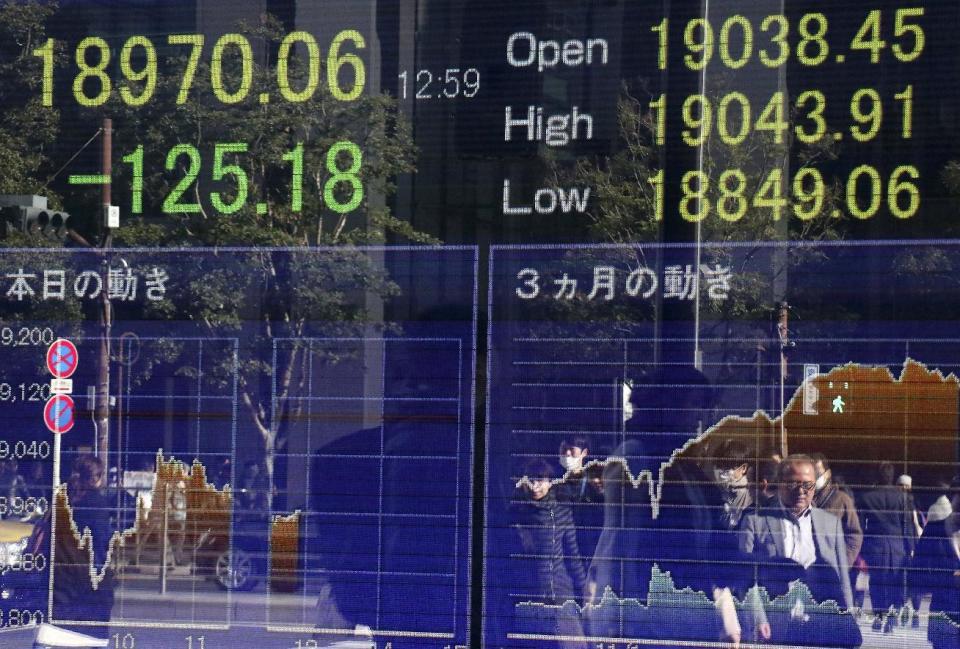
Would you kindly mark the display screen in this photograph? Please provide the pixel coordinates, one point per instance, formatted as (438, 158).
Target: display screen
(581, 324)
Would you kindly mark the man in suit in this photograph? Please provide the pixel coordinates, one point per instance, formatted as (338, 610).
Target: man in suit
(793, 540)
(888, 542)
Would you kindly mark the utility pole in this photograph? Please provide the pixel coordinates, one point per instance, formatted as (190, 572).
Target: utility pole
(102, 400)
(783, 333)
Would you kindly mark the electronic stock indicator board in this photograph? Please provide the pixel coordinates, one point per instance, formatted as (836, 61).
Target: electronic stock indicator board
(292, 223)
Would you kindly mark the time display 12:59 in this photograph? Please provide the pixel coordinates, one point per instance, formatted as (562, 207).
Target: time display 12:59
(450, 84)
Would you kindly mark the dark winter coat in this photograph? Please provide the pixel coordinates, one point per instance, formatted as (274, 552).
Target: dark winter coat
(936, 569)
(547, 534)
(889, 535)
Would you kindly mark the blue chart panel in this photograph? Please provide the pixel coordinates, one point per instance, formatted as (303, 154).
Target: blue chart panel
(640, 394)
(385, 468)
(382, 423)
(285, 438)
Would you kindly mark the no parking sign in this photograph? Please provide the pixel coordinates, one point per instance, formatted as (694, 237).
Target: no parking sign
(62, 358)
(60, 413)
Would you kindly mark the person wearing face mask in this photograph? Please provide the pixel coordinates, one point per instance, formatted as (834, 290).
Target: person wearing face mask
(573, 457)
(581, 491)
(731, 473)
(545, 528)
(831, 496)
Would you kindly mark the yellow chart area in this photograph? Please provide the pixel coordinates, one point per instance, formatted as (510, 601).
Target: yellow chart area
(910, 420)
(184, 506)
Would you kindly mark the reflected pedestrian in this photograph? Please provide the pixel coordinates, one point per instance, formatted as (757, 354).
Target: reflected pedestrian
(888, 542)
(546, 530)
(79, 593)
(937, 565)
(797, 541)
(12, 486)
(832, 497)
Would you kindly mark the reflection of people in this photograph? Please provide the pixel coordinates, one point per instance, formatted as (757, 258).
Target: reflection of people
(625, 529)
(573, 457)
(12, 484)
(941, 508)
(74, 596)
(889, 539)
(573, 454)
(582, 489)
(253, 489)
(796, 541)
(830, 496)
(689, 538)
(913, 594)
(766, 495)
(546, 530)
(731, 467)
(905, 484)
(937, 569)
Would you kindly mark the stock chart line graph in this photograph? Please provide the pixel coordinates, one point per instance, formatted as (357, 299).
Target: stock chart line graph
(911, 405)
(178, 516)
(204, 512)
(877, 400)
(203, 502)
(651, 414)
(630, 618)
(250, 470)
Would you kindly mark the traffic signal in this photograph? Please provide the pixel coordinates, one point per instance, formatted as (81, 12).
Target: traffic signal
(32, 217)
(50, 224)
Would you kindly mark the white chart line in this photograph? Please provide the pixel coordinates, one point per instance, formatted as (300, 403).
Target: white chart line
(228, 607)
(655, 486)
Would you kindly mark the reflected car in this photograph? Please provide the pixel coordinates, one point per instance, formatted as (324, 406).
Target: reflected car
(23, 584)
(246, 565)
(249, 563)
